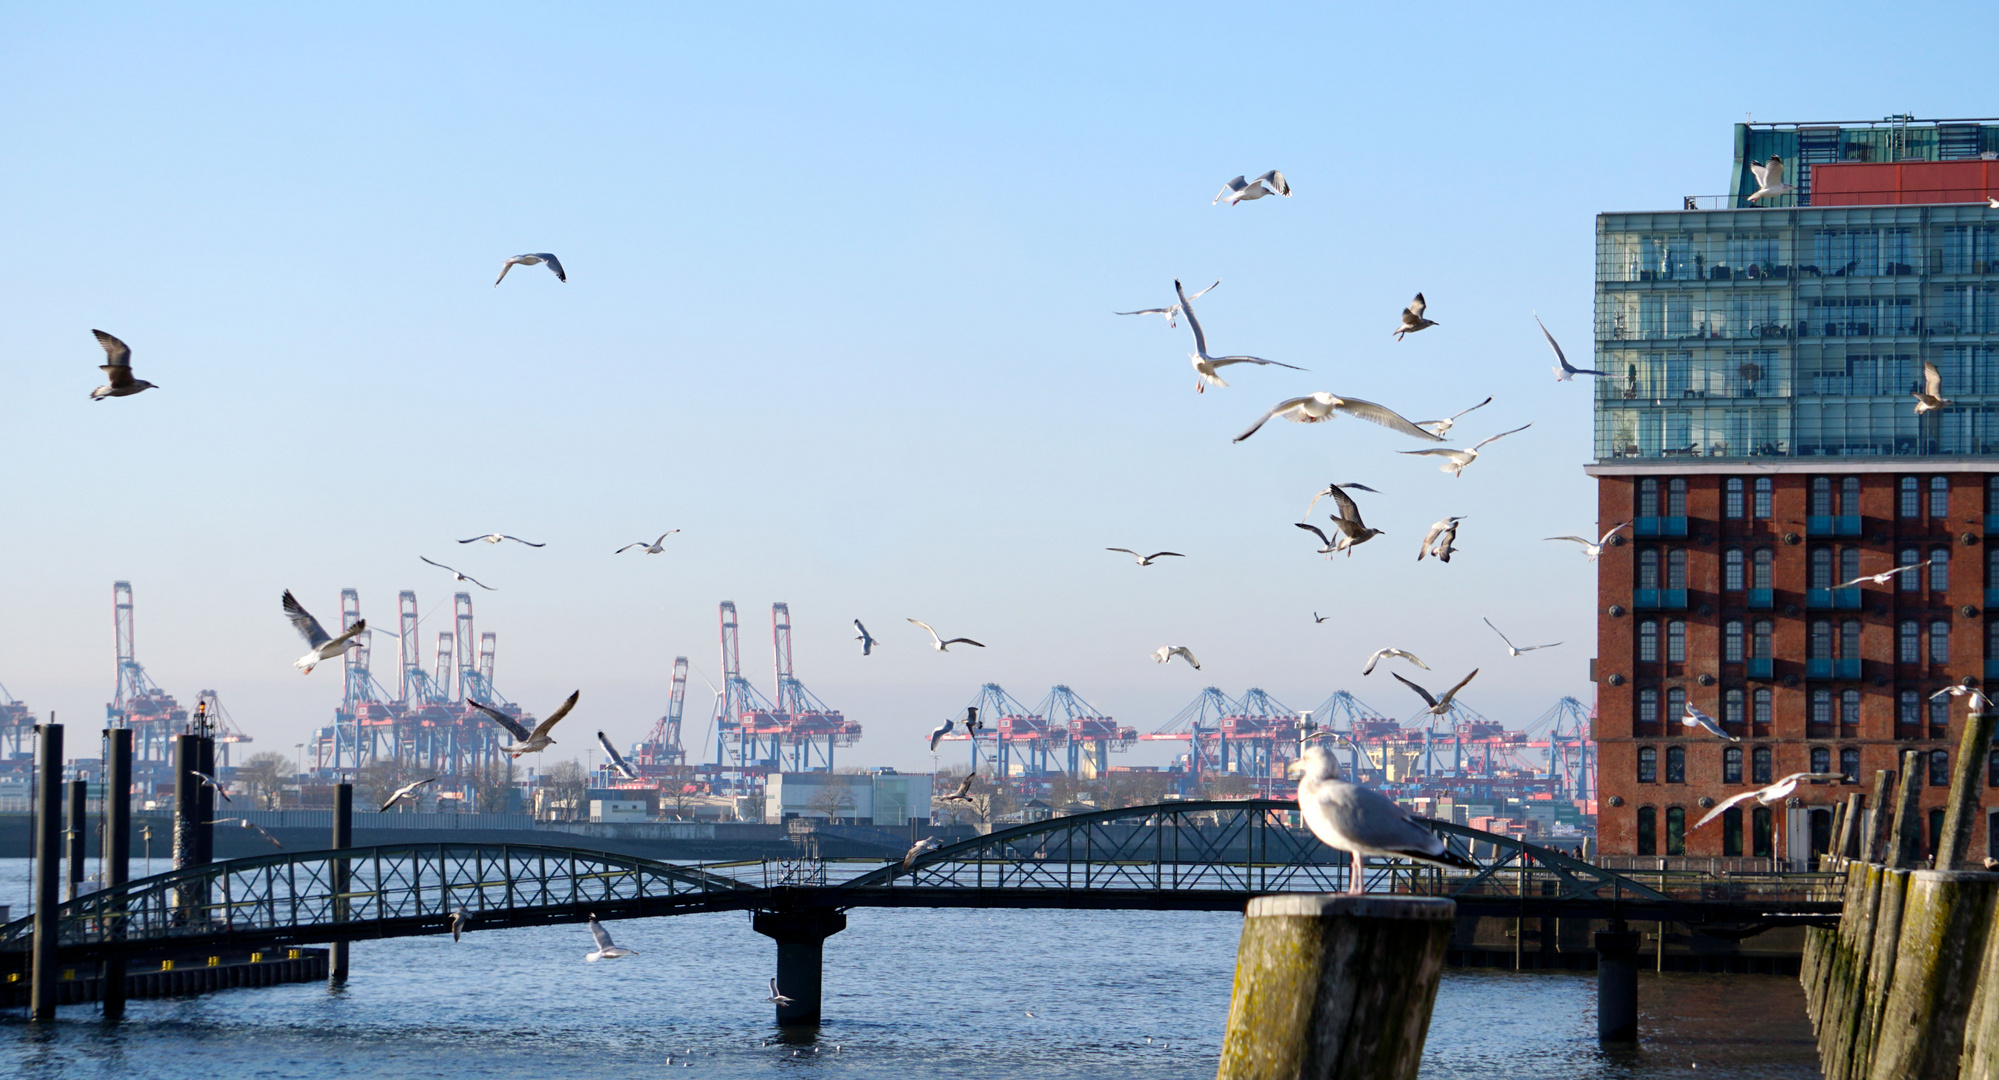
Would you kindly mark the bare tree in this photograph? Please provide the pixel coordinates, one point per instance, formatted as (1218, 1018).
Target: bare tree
(264, 775)
(377, 780)
(567, 780)
(831, 800)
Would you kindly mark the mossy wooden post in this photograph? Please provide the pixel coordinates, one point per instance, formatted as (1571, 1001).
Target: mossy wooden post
(1849, 827)
(1887, 935)
(1944, 920)
(1335, 986)
(1829, 862)
(1967, 782)
(1843, 1009)
(1905, 836)
(1875, 850)
(1981, 1025)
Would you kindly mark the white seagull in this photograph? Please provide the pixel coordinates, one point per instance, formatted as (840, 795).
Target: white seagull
(1930, 397)
(1882, 578)
(1412, 318)
(944, 644)
(1775, 793)
(1440, 428)
(604, 950)
(1172, 313)
(1992, 202)
(781, 999)
(1591, 551)
(324, 647)
(1204, 364)
(459, 575)
(404, 792)
(964, 792)
(1694, 718)
(1146, 560)
(536, 259)
(494, 538)
(1438, 705)
(211, 782)
(1362, 821)
(1241, 189)
(1978, 700)
(459, 921)
(1166, 653)
(866, 639)
(1381, 654)
(118, 366)
(1328, 490)
(527, 742)
(921, 848)
(1456, 461)
(939, 732)
(1441, 540)
(1564, 371)
(1512, 649)
(616, 760)
(653, 548)
(1769, 178)
(1320, 405)
(248, 824)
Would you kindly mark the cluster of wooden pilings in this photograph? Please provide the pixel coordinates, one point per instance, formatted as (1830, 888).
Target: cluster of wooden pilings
(1897, 991)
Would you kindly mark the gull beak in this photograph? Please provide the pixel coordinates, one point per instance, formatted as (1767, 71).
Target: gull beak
(1295, 770)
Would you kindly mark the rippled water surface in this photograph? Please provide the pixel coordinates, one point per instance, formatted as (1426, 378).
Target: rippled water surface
(909, 993)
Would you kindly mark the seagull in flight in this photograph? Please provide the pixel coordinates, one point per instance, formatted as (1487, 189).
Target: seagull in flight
(944, 644)
(775, 996)
(1441, 540)
(1146, 560)
(1318, 618)
(1314, 407)
(248, 824)
(323, 646)
(1769, 178)
(1511, 648)
(1347, 517)
(1694, 718)
(1458, 460)
(1204, 364)
(1328, 490)
(494, 538)
(1362, 821)
(866, 639)
(1381, 654)
(1882, 578)
(527, 742)
(939, 732)
(1564, 371)
(1978, 700)
(1992, 202)
(653, 548)
(1591, 551)
(604, 950)
(536, 259)
(211, 782)
(1440, 428)
(1438, 705)
(1930, 397)
(1768, 796)
(616, 760)
(1172, 313)
(460, 575)
(1166, 653)
(964, 792)
(1240, 190)
(118, 366)
(459, 920)
(971, 722)
(916, 851)
(1412, 318)
(404, 792)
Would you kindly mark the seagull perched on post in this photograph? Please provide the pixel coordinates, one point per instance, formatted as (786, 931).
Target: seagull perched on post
(1694, 718)
(536, 259)
(1440, 428)
(944, 644)
(528, 742)
(1930, 397)
(1440, 540)
(1512, 649)
(1165, 654)
(494, 538)
(653, 548)
(1240, 189)
(1591, 551)
(1412, 318)
(1320, 405)
(1458, 460)
(118, 365)
(1204, 364)
(1438, 705)
(866, 639)
(1146, 560)
(1380, 654)
(1362, 821)
(1172, 313)
(459, 575)
(404, 792)
(1768, 796)
(1882, 578)
(1769, 178)
(604, 950)
(1564, 371)
(615, 759)
(324, 646)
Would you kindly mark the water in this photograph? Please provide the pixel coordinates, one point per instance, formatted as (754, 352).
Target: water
(908, 993)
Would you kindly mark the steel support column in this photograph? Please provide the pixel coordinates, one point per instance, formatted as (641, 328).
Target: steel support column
(801, 938)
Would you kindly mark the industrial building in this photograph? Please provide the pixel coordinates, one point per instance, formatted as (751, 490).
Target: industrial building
(882, 797)
(1757, 425)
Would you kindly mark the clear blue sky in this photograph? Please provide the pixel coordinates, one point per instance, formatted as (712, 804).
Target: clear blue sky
(838, 308)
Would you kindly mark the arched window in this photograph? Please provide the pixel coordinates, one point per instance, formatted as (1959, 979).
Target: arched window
(1759, 765)
(1939, 709)
(1648, 765)
(1676, 642)
(1849, 708)
(1733, 567)
(1676, 764)
(1731, 641)
(1731, 708)
(1940, 641)
(1849, 639)
(1759, 709)
(1676, 706)
(1821, 715)
(1939, 569)
(1821, 496)
(1908, 714)
(1648, 568)
(1731, 832)
(1648, 641)
(1759, 578)
(1939, 768)
(1731, 498)
(1760, 820)
(1909, 637)
(1764, 486)
(1821, 568)
(1910, 581)
(1648, 498)
(1821, 640)
(1676, 830)
(1676, 497)
(1849, 496)
(1821, 760)
(1648, 831)
(1909, 504)
(1731, 765)
(1939, 496)
(1648, 706)
(1676, 569)
(1849, 764)
(1849, 564)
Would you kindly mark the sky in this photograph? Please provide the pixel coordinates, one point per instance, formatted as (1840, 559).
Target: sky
(839, 309)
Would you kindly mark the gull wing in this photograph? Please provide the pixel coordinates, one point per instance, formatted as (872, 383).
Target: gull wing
(1502, 435)
(1761, 172)
(1453, 691)
(617, 759)
(1932, 380)
(940, 732)
(1577, 539)
(1189, 654)
(1385, 416)
(1560, 358)
(541, 730)
(1224, 361)
(1480, 405)
(1424, 694)
(1776, 170)
(1163, 554)
(1497, 630)
(518, 540)
(599, 935)
(116, 353)
(514, 727)
(1613, 532)
(1231, 188)
(308, 627)
(1127, 551)
(439, 565)
(1187, 309)
(961, 641)
(1276, 181)
(1148, 311)
(1205, 291)
(1349, 511)
(1281, 407)
(1724, 805)
(663, 536)
(1314, 530)
(554, 264)
(1417, 307)
(927, 629)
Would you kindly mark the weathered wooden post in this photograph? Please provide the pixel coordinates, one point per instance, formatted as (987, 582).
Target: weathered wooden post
(1981, 1026)
(1881, 964)
(1905, 837)
(1833, 851)
(1954, 846)
(48, 871)
(1849, 828)
(343, 837)
(1944, 920)
(1335, 986)
(115, 853)
(1875, 850)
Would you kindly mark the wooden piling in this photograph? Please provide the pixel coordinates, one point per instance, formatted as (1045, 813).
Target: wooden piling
(1881, 964)
(1944, 921)
(1849, 827)
(1830, 863)
(1876, 847)
(1844, 1009)
(1981, 1025)
(1967, 782)
(1335, 986)
(1905, 836)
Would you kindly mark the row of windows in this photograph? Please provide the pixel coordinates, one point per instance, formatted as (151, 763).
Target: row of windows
(1830, 568)
(1760, 765)
(1912, 709)
(1754, 496)
(1824, 643)
(1762, 820)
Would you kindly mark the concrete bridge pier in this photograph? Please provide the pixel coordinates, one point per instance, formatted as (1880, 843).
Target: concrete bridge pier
(801, 939)
(1617, 985)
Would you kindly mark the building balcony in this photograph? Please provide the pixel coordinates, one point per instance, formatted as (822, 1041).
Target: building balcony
(1659, 599)
(1659, 526)
(1832, 669)
(1832, 525)
(1758, 667)
(1762, 599)
(1833, 599)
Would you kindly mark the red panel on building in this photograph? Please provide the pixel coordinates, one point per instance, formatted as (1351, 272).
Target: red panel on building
(1856, 183)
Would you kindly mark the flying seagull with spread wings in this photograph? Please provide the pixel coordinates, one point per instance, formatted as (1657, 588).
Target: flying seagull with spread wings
(1930, 397)
(1320, 405)
(1440, 428)
(604, 950)
(1438, 705)
(616, 760)
(248, 824)
(1172, 313)
(1347, 518)
(1412, 318)
(1769, 178)
(1564, 371)
(1441, 540)
(1882, 578)
(866, 639)
(404, 792)
(1512, 649)
(526, 742)
(460, 575)
(212, 782)
(1456, 461)
(1204, 363)
(494, 538)
(1146, 560)
(1381, 654)
(323, 646)
(1591, 551)
(1328, 490)
(1694, 718)
(536, 259)
(118, 367)
(1775, 793)
(1165, 653)
(653, 548)
(1242, 190)
(944, 644)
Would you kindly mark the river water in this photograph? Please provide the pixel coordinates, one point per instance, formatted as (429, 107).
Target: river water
(909, 993)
